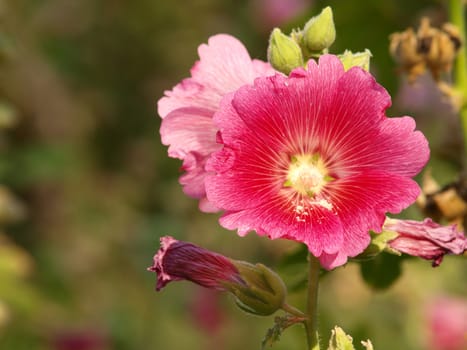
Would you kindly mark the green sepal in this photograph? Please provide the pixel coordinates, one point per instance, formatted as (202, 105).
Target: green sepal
(341, 341)
(358, 59)
(262, 294)
(378, 244)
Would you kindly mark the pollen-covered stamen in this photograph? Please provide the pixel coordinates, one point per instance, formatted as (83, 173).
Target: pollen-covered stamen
(307, 174)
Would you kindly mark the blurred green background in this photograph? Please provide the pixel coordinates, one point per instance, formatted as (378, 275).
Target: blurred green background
(87, 189)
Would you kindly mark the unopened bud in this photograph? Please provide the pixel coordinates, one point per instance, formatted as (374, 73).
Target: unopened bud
(284, 54)
(257, 289)
(264, 291)
(359, 59)
(319, 32)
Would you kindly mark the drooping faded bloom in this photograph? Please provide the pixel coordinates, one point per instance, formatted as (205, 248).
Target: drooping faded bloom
(256, 288)
(187, 110)
(313, 158)
(426, 239)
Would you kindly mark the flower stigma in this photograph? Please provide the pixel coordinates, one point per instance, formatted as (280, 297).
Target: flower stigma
(307, 174)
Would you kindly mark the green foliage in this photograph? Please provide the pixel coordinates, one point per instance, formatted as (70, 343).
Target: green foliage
(382, 271)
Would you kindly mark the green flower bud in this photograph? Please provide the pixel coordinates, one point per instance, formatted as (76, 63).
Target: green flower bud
(264, 291)
(319, 32)
(284, 54)
(359, 59)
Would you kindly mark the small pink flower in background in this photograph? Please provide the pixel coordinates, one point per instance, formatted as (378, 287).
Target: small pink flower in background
(313, 158)
(426, 239)
(79, 340)
(209, 317)
(187, 110)
(206, 311)
(177, 260)
(273, 13)
(447, 324)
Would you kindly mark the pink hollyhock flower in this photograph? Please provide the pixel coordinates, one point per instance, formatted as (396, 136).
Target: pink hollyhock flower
(187, 110)
(313, 158)
(426, 239)
(447, 324)
(177, 260)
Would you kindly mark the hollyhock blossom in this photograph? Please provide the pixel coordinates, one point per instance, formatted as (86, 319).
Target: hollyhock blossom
(426, 239)
(187, 109)
(313, 158)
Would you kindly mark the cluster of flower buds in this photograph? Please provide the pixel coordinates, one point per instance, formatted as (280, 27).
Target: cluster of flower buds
(429, 48)
(286, 52)
(256, 288)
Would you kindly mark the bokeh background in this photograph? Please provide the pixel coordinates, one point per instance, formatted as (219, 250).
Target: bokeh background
(86, 188)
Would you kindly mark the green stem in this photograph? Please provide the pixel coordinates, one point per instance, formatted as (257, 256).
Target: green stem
(311, 323)
(293, 311)
(457, 17)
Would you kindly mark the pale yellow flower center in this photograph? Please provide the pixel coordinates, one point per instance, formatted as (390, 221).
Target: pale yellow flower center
(307, 174)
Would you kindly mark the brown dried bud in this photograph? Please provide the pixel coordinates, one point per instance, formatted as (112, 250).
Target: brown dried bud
(429, 47)
(403, 48)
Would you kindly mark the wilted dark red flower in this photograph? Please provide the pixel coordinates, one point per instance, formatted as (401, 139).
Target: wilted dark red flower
(177, 260)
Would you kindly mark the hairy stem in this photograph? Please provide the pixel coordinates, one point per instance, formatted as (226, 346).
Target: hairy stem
(311, 323)
(457, 17)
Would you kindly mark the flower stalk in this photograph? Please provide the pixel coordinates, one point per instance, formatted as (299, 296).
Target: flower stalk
(460, 71)
(311, 323)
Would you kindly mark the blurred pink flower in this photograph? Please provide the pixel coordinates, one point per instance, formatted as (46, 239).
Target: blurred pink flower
(209, 316)
(313, 158)
(426, 239)
(187, 109)
(177, 260)
(206, 311)
(79, 340)
(447, 324)
(273, 13)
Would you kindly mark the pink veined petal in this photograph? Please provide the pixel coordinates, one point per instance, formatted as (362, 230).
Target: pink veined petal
(193, 178)
(224, 66)
(188, 93)
(190, 134)
(187, 110)
(188, 130)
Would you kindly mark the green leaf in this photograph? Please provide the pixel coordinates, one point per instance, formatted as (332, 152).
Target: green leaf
(341, 341)
(381, 272)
